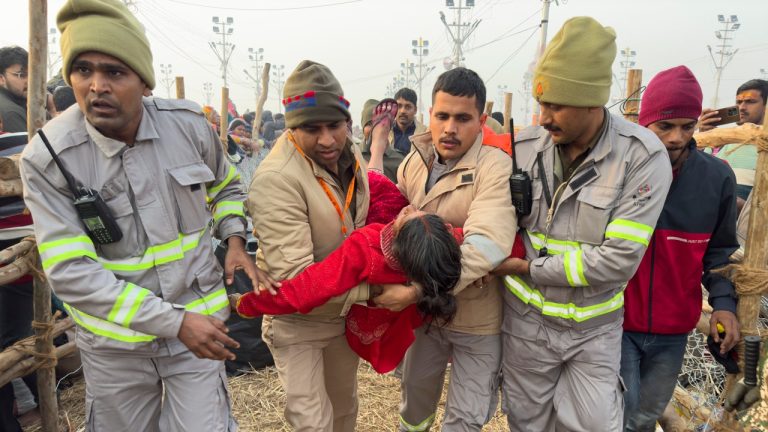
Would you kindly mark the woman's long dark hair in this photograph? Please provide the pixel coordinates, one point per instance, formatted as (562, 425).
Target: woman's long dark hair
(429, 254)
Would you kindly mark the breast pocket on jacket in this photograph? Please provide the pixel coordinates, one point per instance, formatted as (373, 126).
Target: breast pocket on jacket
(595, 205)
(117, 198)
(188, 185)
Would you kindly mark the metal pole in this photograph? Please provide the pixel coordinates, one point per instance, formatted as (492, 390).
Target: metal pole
(542, 45)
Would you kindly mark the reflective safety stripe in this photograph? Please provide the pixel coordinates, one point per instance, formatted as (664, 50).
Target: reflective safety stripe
(574, 268)
(226, 208)
(107, 329)
(215, 189)
(554, 246)
(569, 311)
(57, 251)
(421, 427)
(112, 329)
(127, 304)
(629, 230)
(209, 304)
(155, 255)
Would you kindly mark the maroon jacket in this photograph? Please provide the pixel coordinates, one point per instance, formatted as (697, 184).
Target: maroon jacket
(695, 233)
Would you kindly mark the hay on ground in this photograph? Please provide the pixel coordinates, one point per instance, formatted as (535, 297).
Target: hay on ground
(258, 402)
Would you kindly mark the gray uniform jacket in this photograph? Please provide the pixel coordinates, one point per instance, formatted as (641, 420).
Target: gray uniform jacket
(165, 192)
(597, 234)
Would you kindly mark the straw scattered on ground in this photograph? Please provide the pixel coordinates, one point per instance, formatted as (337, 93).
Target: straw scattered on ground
(258, 402)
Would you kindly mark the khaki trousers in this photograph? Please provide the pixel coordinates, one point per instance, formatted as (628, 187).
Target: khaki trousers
(318, 371)
(561, 379)
(179, 393)
(474, 385)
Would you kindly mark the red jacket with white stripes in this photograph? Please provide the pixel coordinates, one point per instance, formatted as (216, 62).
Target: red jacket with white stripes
(695, 234)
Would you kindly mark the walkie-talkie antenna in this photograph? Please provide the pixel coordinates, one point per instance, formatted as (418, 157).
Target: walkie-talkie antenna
(67, 176)
(512, 145)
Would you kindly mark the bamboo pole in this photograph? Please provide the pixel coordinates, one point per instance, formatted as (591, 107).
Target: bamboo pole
(46, 373)
(507, 111)
(755, 256)
(632, 105)
(36, 117)
(19, 351)
(489, 107)
(180, 88)
(28, 366)
(223, 123)
(261, 100)
(9, 167)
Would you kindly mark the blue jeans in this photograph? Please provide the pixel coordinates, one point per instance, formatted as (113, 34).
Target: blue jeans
(650, 364)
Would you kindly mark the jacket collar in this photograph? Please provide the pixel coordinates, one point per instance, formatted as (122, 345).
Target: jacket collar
(20, 101)
(111, 147)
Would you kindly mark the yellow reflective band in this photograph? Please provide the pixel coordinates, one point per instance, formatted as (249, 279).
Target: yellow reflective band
(569, 311)
(421, 427)
(121, 314)
(107, 329)
(629, 230)
(574, 269)
(57, 251)
(127, 304)
(214, 190)
(155, 255)
(209, 304)
(226, 208)
(554, 246)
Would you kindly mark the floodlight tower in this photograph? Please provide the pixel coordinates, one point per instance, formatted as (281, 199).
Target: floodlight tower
(223, 49)
(166, 70)
(730, 24)
(461, 31)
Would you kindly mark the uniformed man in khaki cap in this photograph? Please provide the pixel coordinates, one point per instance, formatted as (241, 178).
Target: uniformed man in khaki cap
(148, 299)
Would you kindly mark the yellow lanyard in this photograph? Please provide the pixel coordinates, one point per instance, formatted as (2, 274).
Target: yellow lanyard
(327, 189)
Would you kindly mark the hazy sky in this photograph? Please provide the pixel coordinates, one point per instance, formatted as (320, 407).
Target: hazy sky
(365, 41)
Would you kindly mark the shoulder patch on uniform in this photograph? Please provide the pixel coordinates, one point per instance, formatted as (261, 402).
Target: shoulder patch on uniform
(467, 178)
(176, 104)
(628, 129)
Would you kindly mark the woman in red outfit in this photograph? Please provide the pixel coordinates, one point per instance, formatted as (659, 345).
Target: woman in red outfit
(416, 248)
(398, 245)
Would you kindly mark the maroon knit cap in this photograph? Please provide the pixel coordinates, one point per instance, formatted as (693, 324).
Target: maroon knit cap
(671, 94)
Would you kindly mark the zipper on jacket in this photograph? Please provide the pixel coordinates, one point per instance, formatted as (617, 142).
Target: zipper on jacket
(650, 283)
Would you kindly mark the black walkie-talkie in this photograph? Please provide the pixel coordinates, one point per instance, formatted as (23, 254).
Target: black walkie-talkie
(93, 212)
(519, 182)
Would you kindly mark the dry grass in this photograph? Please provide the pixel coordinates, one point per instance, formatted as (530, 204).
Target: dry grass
(258, 401)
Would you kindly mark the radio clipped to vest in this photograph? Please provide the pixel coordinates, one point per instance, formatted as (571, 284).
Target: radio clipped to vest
(519, 182)
(93, 212)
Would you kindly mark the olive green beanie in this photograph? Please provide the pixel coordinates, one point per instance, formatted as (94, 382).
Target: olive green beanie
(576, 68)
(108, 27)
(313, 94)
(367, 113)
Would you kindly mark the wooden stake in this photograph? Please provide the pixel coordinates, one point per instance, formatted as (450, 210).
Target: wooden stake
(36, 117)
(46, 375)
(489, 107)
(223, 117)
(631, 107)
(180, 87)
(261, 100)
(507, 111)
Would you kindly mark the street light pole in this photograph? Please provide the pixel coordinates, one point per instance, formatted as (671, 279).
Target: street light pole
(730, 24)
(256, 56)
(462, 30)
(208, 90)
(166, 70)
(421, 50)
(223, 49)
(278, 74)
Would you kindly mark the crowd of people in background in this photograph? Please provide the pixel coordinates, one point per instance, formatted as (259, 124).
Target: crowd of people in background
(567, 292)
